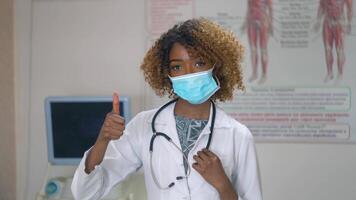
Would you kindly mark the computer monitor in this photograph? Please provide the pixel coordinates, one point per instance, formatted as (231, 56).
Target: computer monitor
(73, 124)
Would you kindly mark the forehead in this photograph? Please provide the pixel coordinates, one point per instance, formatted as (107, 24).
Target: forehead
(179, 51)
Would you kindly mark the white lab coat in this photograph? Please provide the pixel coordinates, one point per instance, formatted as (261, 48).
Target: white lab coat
(232, 142)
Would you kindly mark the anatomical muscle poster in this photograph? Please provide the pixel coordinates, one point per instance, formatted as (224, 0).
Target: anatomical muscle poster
(299, 64)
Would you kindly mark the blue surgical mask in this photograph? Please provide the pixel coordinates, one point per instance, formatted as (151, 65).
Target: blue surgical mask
(196, 88)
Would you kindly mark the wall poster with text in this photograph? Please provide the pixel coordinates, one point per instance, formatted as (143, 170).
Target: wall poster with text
(299, 64)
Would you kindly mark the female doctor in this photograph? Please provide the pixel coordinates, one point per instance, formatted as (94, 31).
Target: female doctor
(189, 148)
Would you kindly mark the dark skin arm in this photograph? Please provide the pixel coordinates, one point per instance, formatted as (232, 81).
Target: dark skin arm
(112, 129)
(209, 166)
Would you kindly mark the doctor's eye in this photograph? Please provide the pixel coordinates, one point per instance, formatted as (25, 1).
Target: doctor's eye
(175, 67)
(200, 63)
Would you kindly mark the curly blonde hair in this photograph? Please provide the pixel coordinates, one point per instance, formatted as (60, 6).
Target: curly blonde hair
(202, 38)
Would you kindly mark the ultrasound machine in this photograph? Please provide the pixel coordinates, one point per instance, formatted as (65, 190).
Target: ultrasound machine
(73, 124)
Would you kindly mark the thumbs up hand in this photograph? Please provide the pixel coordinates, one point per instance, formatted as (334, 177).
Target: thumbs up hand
(112, 129)
(114, 124)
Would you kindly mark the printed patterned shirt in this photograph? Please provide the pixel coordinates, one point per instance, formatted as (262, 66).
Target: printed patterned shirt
(188, 132)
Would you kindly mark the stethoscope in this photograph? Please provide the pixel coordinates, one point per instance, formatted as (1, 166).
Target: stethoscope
(155, 134)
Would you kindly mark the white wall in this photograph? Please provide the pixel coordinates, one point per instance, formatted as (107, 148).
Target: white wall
(76, 48)
(7, 102)
(22, 29)
(88, 47)
(308, 171)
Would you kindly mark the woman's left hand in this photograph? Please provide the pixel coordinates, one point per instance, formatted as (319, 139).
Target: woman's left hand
(210, 168)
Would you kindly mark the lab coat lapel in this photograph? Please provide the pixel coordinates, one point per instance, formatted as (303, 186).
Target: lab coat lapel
(204, 133)
(166, 118)
(167, 126)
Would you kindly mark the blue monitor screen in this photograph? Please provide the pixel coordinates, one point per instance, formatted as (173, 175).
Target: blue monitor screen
(73, 125)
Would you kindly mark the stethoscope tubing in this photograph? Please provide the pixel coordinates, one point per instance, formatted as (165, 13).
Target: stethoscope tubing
(155, 134)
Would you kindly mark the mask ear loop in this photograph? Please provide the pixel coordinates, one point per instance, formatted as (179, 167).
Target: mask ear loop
(214, 76)
(216, 80)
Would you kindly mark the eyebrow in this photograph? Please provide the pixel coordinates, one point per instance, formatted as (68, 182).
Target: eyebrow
(175, 60)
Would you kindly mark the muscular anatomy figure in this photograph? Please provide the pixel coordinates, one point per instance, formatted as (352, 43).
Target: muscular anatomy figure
(259, 25)
(334, 28)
